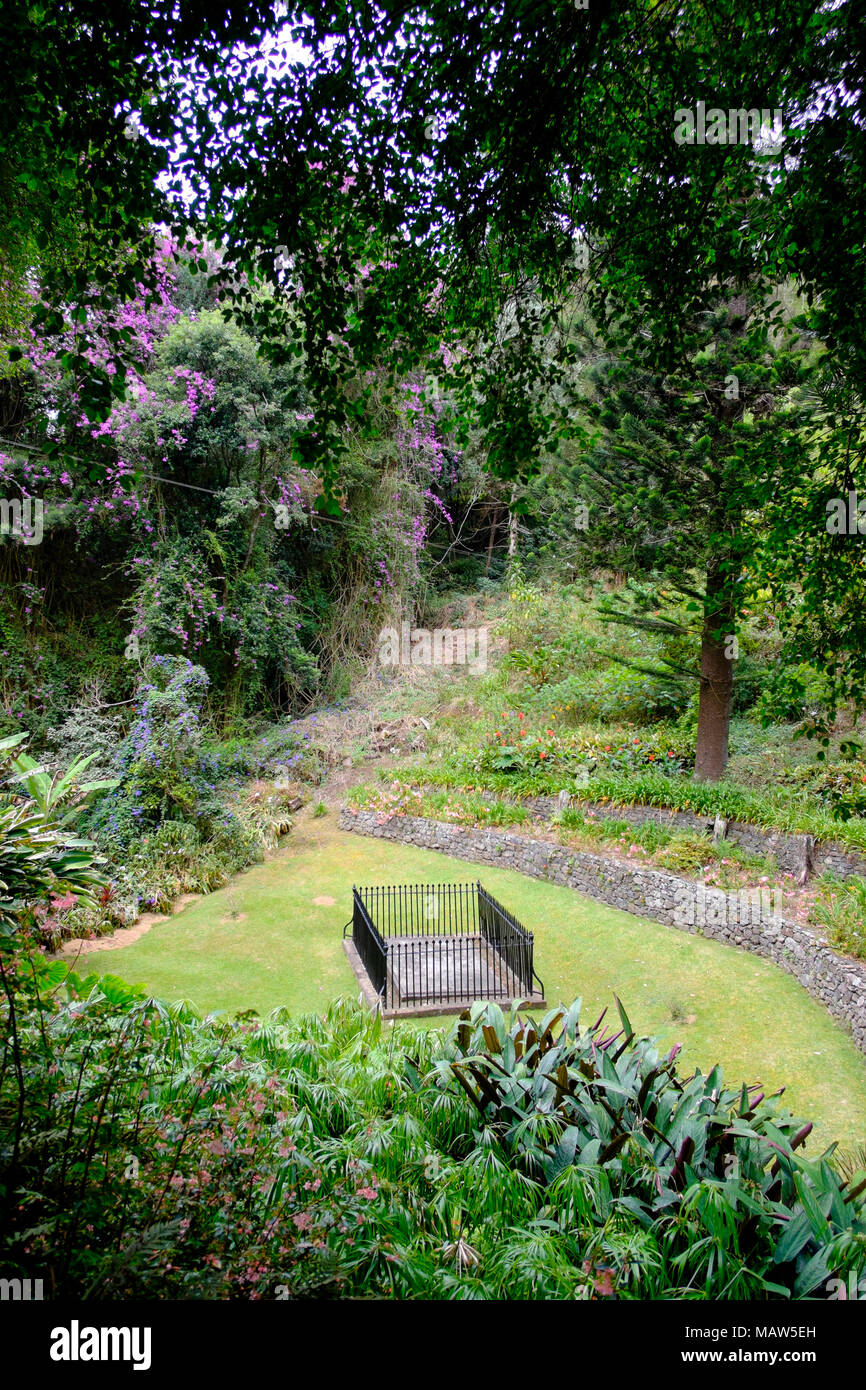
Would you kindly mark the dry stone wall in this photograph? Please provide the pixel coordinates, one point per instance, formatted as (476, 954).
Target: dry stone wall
(787, 850)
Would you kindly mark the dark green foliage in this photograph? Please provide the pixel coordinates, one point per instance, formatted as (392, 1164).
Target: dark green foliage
(649, 786)
(840, 786)
(147, 1153)
(75, 187)
(164, 826)
(158, 762)
(712, 1175)
(40, 862)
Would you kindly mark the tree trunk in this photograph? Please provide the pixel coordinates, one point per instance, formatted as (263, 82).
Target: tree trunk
(512, 529)
(717, 678)
(494, 521)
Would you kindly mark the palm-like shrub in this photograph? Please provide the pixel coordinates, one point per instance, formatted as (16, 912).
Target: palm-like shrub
(38, 858)
(146, 1152)
(677, 1183)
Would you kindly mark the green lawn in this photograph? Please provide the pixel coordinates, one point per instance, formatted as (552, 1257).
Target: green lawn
(723, 1005)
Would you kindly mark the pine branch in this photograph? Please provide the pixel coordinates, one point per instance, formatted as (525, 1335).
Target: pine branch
(667, 625)
(670, 670)
(681, 588)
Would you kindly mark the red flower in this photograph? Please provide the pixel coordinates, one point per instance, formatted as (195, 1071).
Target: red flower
(521, 716)
(635, 740)
(542, 755)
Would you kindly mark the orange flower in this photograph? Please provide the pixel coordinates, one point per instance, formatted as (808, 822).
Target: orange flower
(542, 755)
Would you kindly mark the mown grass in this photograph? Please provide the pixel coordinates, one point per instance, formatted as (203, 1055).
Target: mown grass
(283, 947)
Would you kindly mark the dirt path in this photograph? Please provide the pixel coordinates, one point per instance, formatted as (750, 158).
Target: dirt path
(303, 822)
(124, 936)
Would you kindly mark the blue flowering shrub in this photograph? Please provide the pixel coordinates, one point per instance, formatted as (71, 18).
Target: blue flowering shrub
(158, 760)
(165, 827)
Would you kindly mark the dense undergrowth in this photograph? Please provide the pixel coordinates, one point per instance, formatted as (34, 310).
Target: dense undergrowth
(176, 814)
(149, 1153)
(535, 725)
(192, 803)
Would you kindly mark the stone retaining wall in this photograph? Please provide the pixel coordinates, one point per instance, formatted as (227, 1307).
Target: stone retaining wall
(838, 982)
(787, 850)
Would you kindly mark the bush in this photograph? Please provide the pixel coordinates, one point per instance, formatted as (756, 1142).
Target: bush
(790, 692)
(167, 828)
(840, 786)
(88, 730)
(841, 908)
(278, 751)
(512, 1160)
(750, 681)
(622, 693)
(158, 762)
(615, 1135)
(515, 748)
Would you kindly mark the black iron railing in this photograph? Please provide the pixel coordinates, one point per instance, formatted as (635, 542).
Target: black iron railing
(418, 909)
(370, 946)
(506, 937)
(444, 943)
